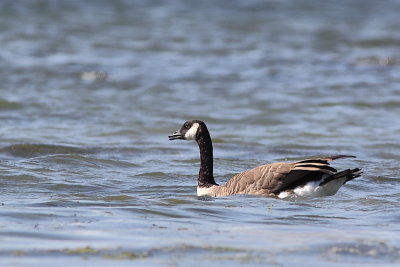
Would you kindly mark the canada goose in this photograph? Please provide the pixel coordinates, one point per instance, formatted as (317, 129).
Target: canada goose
(309, 177)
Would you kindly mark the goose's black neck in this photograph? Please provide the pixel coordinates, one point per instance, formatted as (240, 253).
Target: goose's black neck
(206, 177)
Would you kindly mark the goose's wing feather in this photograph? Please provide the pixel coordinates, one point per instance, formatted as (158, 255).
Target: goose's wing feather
(277, 177)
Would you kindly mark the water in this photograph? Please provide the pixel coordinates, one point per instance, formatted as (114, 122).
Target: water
(91, 89)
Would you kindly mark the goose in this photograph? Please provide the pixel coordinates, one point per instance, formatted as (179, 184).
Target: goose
(307, 178)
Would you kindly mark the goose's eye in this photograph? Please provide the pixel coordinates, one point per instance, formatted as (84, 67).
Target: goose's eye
(186, 125)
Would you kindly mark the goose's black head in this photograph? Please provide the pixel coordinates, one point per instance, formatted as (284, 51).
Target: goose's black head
(190, 130)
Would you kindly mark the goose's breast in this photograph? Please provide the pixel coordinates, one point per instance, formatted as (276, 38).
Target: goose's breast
(208, 191)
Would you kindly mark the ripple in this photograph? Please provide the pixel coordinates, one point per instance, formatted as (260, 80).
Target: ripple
(8, 105)
(38, 236)
(157, 212)
(366, 251)
(35, 150)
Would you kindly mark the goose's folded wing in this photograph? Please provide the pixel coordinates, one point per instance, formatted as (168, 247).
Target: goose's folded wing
(277, 177)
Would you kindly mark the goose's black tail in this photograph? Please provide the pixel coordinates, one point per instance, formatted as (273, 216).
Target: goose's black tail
(350, 174)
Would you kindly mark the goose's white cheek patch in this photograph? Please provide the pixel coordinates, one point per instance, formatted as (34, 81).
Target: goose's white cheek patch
(191, 133)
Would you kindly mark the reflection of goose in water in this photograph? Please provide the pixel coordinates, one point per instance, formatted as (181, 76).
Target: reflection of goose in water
(310, 177)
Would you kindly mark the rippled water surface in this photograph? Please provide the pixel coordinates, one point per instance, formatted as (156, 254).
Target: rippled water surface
(91, 89)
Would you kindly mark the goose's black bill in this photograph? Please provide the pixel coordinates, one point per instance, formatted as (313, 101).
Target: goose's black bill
(176, 135)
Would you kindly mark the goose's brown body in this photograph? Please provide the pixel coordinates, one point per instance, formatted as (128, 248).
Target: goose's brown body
(313, 177)
(275, 178)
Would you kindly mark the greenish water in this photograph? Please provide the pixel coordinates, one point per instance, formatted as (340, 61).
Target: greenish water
(90, 90)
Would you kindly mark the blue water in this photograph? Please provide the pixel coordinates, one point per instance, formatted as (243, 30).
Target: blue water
(90, 90)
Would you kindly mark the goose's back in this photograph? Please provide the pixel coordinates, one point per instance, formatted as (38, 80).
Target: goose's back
(262, 180)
